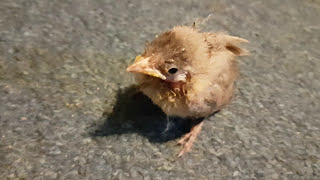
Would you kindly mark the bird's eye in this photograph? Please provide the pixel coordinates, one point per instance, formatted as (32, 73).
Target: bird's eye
(172, 70)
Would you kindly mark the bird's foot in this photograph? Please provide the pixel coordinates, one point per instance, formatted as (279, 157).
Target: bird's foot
(188, 139)
(167, 126)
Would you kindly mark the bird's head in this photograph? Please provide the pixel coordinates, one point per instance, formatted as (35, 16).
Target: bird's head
(168, 70)
(167, 57)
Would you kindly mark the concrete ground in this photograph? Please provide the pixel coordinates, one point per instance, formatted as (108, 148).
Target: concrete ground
(69, 111)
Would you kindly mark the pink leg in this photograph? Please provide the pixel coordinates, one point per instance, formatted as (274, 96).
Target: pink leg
(187, 140)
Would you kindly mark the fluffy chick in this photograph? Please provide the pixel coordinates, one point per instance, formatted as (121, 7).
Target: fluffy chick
(189, 74)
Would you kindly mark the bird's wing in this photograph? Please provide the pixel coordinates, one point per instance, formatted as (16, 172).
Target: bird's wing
(219, 41)
(212, 85)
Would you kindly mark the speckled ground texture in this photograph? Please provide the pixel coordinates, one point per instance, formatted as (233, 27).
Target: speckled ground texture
(69, 111)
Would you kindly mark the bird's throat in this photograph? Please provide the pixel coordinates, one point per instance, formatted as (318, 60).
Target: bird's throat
(176, 86)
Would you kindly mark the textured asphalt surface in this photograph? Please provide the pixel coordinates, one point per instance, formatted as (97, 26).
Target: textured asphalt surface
(68, 109)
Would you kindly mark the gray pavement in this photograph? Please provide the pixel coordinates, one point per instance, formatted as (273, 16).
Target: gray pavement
(69, 111)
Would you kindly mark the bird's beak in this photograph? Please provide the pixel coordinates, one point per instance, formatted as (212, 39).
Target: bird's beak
(141, 65)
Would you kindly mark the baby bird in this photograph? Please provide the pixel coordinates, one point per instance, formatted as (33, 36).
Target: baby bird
(189, 74)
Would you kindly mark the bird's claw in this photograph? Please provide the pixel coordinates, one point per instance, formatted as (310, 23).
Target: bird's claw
(188, 139)
(184, 139)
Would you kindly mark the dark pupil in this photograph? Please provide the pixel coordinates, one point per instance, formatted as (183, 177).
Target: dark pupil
(173, 70)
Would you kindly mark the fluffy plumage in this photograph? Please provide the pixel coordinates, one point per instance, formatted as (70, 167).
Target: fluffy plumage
(188, 73)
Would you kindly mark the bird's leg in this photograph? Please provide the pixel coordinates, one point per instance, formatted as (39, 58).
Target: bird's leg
(187, 140)
(168, 125)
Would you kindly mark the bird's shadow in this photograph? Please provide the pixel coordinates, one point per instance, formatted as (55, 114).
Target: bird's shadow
(135, 113)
